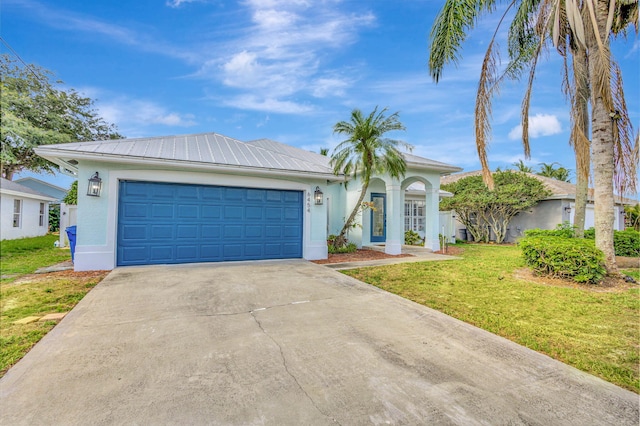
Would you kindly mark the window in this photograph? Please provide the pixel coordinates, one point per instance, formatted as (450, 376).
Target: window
(414, 215)
(42, 215)
(17, 213)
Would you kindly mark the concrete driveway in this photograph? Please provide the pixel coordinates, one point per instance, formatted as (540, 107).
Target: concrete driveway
(286, 343)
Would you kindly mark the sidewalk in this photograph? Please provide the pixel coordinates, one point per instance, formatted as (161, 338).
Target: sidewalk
(419, 254)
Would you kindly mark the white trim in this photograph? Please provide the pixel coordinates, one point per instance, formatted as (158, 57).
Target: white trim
(27, 195)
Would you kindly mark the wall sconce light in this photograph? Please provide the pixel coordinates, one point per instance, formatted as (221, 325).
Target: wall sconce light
(317, 196)
(567, 210)
(95, 184)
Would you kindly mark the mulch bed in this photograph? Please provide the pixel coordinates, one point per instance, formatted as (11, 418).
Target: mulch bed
(358, 256)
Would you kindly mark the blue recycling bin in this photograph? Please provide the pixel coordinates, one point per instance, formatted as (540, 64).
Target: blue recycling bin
(71, 234)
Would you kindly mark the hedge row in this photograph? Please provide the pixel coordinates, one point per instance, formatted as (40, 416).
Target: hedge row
(626, 243)
(572, 258)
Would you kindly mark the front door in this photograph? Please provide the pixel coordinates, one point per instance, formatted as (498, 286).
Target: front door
(378, 218)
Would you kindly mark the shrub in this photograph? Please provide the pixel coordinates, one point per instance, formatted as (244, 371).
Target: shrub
(573, 258)
(412, 238)
(347, 248)
(564, 230)
(626, 243)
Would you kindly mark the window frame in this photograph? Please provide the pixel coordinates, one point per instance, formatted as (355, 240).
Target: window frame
(17, 212)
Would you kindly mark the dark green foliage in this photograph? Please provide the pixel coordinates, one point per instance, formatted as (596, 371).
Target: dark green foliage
(479, 209)
(35, 111)
(565, 230)
(54, 217)
(574, 258)
(345, 248)
(72, 196)
(626, 243)
(412, 238)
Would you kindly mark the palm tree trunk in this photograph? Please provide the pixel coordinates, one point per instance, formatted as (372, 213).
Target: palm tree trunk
(602, 143)
(580, 136)
(342, 240)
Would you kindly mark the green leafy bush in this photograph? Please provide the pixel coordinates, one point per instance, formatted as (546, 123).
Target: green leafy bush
(626, 243)
(412, 238)
(573, 258)
(347, 248)
(564, 230)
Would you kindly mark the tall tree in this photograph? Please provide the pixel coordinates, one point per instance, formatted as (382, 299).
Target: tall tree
(366, 152)
(550, 170)
(534, 23)
(35, 111)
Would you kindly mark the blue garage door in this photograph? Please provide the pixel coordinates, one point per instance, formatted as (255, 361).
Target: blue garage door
(176, 223)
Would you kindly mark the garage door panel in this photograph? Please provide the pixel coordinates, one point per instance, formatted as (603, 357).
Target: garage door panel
(188, 211)
(211, 212)
(187, 231)
(187, 253)
(161, 253)
(135, 232)
(162, 232)
(136, 210)
(179, 223)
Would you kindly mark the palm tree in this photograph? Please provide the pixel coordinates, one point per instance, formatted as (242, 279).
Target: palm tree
(558, 173)
(522, 167)
(585, 25)
(324, 151)
(366, 151)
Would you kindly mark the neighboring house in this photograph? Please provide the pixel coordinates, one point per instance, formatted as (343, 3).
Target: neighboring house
(52, 191)
(24, 211)
(208, 197)
(554, 210)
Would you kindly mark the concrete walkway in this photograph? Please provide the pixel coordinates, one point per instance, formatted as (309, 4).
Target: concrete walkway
(418, 254)
(286, 343)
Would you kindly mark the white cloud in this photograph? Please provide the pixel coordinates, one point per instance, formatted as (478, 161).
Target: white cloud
(281, 53)
(267, 104)
(125, 113)
(539, 125)
(178, 3)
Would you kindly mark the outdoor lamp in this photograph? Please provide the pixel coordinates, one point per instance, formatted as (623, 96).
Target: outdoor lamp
(317, 196)
(95, 184)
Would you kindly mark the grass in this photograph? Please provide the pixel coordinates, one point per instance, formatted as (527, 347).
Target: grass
(25, 255)
(23, 295)
(589, 327)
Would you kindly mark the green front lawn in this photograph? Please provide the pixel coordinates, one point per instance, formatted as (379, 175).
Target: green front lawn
(26, 255)
(23, 295)
(592, 328)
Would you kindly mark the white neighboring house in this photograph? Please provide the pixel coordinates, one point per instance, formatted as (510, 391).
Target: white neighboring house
(24, 211)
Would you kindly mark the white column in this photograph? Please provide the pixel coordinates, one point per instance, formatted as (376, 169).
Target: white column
(395, 219)
(431, 226)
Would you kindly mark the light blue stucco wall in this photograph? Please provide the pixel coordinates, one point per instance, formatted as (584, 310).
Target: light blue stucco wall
(97, 216)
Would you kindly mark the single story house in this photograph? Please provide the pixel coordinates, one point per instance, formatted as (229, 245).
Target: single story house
(208, 197)
(42, 187)
(24, 212)
(554, 210)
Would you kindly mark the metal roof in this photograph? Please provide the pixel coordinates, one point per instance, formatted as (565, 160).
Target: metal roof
(210, 150)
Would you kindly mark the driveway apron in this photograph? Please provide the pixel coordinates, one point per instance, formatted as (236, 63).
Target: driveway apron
(286, 343)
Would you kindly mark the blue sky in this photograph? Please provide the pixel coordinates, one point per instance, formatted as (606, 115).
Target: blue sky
(288, 71)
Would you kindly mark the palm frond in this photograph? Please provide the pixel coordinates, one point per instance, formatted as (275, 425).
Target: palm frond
(625, 147)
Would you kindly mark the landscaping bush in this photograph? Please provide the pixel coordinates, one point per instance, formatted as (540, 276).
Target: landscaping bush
(412, 238)
(348, 248)
(626, 243)
(564, 230)
(574, 258)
